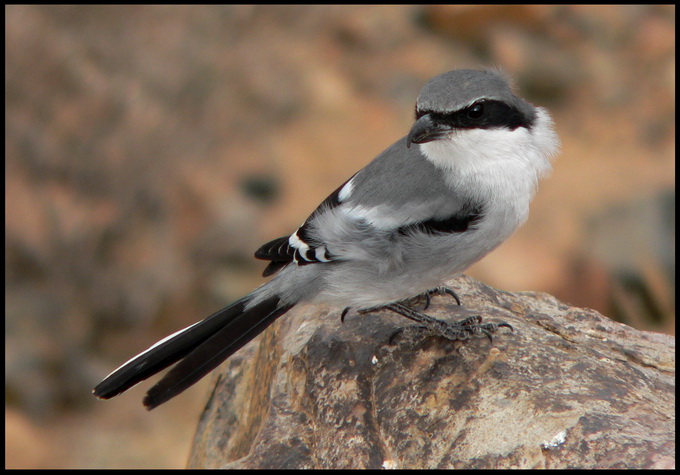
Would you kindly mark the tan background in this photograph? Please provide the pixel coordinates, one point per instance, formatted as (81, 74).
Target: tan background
(150, 150)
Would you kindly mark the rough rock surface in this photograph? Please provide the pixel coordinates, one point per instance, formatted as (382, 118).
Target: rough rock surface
(569, 388)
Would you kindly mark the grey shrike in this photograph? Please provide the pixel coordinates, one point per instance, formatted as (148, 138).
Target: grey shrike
(421, 212)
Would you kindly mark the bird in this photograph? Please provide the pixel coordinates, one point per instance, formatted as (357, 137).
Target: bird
(420, 213)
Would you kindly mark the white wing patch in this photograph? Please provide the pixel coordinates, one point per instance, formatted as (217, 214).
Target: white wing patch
(387, 218)
(346, 191)
(295, 242)
(304, 253)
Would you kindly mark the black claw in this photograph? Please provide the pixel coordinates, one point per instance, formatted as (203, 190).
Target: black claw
(441, 291)
(344, 312)
(398, 331)
(452, 294)
(427, 301)
(488, 334)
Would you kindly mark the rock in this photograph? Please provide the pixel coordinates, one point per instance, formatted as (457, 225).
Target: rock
(569, 388)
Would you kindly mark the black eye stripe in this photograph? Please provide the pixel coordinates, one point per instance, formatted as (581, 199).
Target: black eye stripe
(495, 114)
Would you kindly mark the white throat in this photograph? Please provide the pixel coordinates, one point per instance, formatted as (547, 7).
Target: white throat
(497, 163)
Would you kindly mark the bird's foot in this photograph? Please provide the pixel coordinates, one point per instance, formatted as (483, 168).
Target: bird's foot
(458, 330)
(427, 295)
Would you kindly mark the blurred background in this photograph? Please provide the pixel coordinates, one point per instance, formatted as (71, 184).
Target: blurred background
(150, 150)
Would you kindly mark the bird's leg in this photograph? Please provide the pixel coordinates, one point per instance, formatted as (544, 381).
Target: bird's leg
(460, 330)
(441, 290)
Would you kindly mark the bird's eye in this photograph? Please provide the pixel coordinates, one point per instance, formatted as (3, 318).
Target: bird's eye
(475, 111)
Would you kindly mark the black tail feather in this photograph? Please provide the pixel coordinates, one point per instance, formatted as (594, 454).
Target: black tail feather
(236, 327)
(213, 351)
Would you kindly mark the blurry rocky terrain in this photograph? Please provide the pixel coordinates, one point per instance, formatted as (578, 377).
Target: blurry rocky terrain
(151, 149)
(568, 388)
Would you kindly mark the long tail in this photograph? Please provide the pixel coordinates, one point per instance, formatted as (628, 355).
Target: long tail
(200, 347)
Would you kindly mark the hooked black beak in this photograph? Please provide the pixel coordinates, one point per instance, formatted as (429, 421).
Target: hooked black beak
(427, 129)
